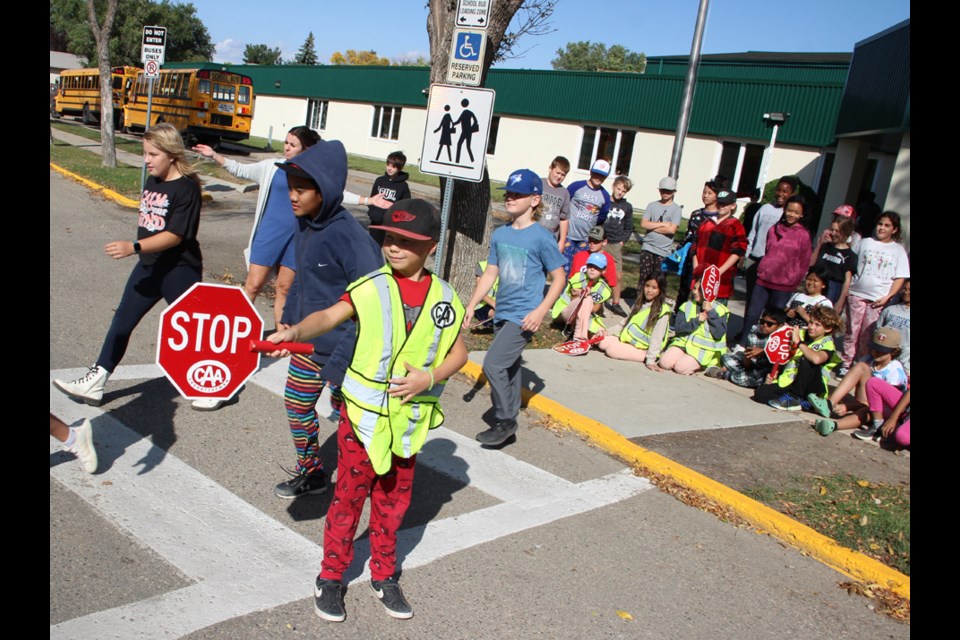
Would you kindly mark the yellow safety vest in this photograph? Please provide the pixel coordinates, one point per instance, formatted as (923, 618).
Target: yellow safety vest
(700, 344)
(496, 284)
(600, 292)
(383, 425)
(789, 371)
(635, 333)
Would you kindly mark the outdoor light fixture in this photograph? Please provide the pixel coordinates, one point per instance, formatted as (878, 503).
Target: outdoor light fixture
(775, 119)
(276, 83)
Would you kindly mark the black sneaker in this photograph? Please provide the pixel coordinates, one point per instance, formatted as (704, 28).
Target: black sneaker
(391, 597)
(301, 484)
(866, 433)
(498, 433)
(328, 600)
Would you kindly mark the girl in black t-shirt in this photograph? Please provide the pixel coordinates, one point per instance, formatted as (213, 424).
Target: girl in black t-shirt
(169, 256)
(834, 255)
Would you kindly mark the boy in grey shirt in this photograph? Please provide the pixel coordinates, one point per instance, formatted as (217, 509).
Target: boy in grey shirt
(660, 219)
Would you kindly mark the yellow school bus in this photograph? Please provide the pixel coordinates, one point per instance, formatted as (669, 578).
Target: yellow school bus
(205, 105)
(79, 94)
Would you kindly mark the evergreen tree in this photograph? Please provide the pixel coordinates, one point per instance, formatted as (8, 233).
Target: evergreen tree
(307, 53)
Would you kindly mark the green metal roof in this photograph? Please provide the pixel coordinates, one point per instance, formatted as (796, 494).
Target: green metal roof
(877, 96)
(730, 99)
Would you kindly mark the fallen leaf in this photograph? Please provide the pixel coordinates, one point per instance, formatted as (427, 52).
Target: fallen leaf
(624, 615)
(863, 521)
(823, 490)
(863, 483)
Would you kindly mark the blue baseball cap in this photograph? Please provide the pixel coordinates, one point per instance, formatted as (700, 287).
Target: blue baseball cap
(525, 182)
(597, 260)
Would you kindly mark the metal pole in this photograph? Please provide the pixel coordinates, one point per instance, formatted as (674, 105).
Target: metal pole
(688, 88)
(143, 167)
(767, 157)
(444, 216)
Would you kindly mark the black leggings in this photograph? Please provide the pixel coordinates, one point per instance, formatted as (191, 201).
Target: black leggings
(144, 289)
(809, 380)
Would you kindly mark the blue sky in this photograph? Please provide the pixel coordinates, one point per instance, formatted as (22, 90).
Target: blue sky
(655, 27)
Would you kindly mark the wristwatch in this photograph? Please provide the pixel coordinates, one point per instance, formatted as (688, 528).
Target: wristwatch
(136, 246)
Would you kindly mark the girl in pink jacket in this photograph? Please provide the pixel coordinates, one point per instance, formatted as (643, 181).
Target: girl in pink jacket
(784, 264)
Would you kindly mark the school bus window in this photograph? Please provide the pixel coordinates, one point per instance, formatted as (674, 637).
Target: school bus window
(204, 86)
(244, 97)
(222, 92)
(118, 82)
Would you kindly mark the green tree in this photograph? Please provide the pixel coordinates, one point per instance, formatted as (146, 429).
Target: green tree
(410, 60)
(307, 53)
(187, 38)
(261, 54)
(595, 56)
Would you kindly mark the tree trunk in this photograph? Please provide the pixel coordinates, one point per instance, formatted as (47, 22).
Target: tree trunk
(108, 149)
(469, 225)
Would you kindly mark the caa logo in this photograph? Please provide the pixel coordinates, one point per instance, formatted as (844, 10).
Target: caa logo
(443, 315)
(208, 376)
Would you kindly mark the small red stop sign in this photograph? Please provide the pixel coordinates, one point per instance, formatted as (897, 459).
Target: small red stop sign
(779, 348)
(204, 343)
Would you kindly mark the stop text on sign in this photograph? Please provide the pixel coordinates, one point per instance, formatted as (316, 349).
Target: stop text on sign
(221, 333)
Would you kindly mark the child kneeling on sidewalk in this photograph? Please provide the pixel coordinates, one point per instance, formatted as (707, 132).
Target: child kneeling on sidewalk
(583, 298)
(408, 342)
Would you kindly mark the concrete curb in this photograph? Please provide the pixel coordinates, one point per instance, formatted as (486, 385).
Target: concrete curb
(113, 195)
(851, 563)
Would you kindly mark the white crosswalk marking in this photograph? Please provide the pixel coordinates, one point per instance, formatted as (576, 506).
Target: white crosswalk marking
(243, 560)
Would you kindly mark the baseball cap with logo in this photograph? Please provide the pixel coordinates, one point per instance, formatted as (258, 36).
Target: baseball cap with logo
(597, 260)
(845, 211)
(668, 184)
(524, 182)
(597, 233)
(726, 197)
(600, 166)
(413, 218)
(886, 339)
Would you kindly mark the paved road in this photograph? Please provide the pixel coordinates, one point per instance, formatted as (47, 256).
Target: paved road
(179, 535)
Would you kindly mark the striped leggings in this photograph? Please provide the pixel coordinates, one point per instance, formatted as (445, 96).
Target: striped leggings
(303, 389)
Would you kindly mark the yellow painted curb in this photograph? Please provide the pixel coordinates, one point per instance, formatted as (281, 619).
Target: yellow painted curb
(113, 195)
(826, 550)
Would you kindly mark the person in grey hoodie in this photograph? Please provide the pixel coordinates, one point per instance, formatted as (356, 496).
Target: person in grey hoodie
(332, 250)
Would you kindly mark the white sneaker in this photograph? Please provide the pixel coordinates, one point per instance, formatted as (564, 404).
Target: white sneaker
(88, 388)
(206, 404)
(83, 446)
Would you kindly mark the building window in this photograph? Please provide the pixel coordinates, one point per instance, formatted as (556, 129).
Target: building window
(604, 142)
(317, 114)
(386, 123)
(492, 142)
(740, 164)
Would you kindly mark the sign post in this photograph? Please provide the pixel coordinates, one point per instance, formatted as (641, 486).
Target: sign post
(153, 50)
(467, 49)
(473, 13)
(467, 114)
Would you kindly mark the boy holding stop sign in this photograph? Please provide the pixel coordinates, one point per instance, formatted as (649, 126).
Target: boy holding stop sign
(808, 370)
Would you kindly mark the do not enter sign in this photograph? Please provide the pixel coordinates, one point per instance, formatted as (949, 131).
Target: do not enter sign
(204, 342)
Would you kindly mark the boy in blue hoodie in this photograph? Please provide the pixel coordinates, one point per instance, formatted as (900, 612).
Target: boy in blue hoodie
(332, 250)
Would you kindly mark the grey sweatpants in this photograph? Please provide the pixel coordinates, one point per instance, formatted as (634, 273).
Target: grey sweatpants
(501, 366)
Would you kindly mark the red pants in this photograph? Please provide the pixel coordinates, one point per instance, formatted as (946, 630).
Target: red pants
(389, 499)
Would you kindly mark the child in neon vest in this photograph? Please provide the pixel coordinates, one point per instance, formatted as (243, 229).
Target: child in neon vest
(410, 318)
